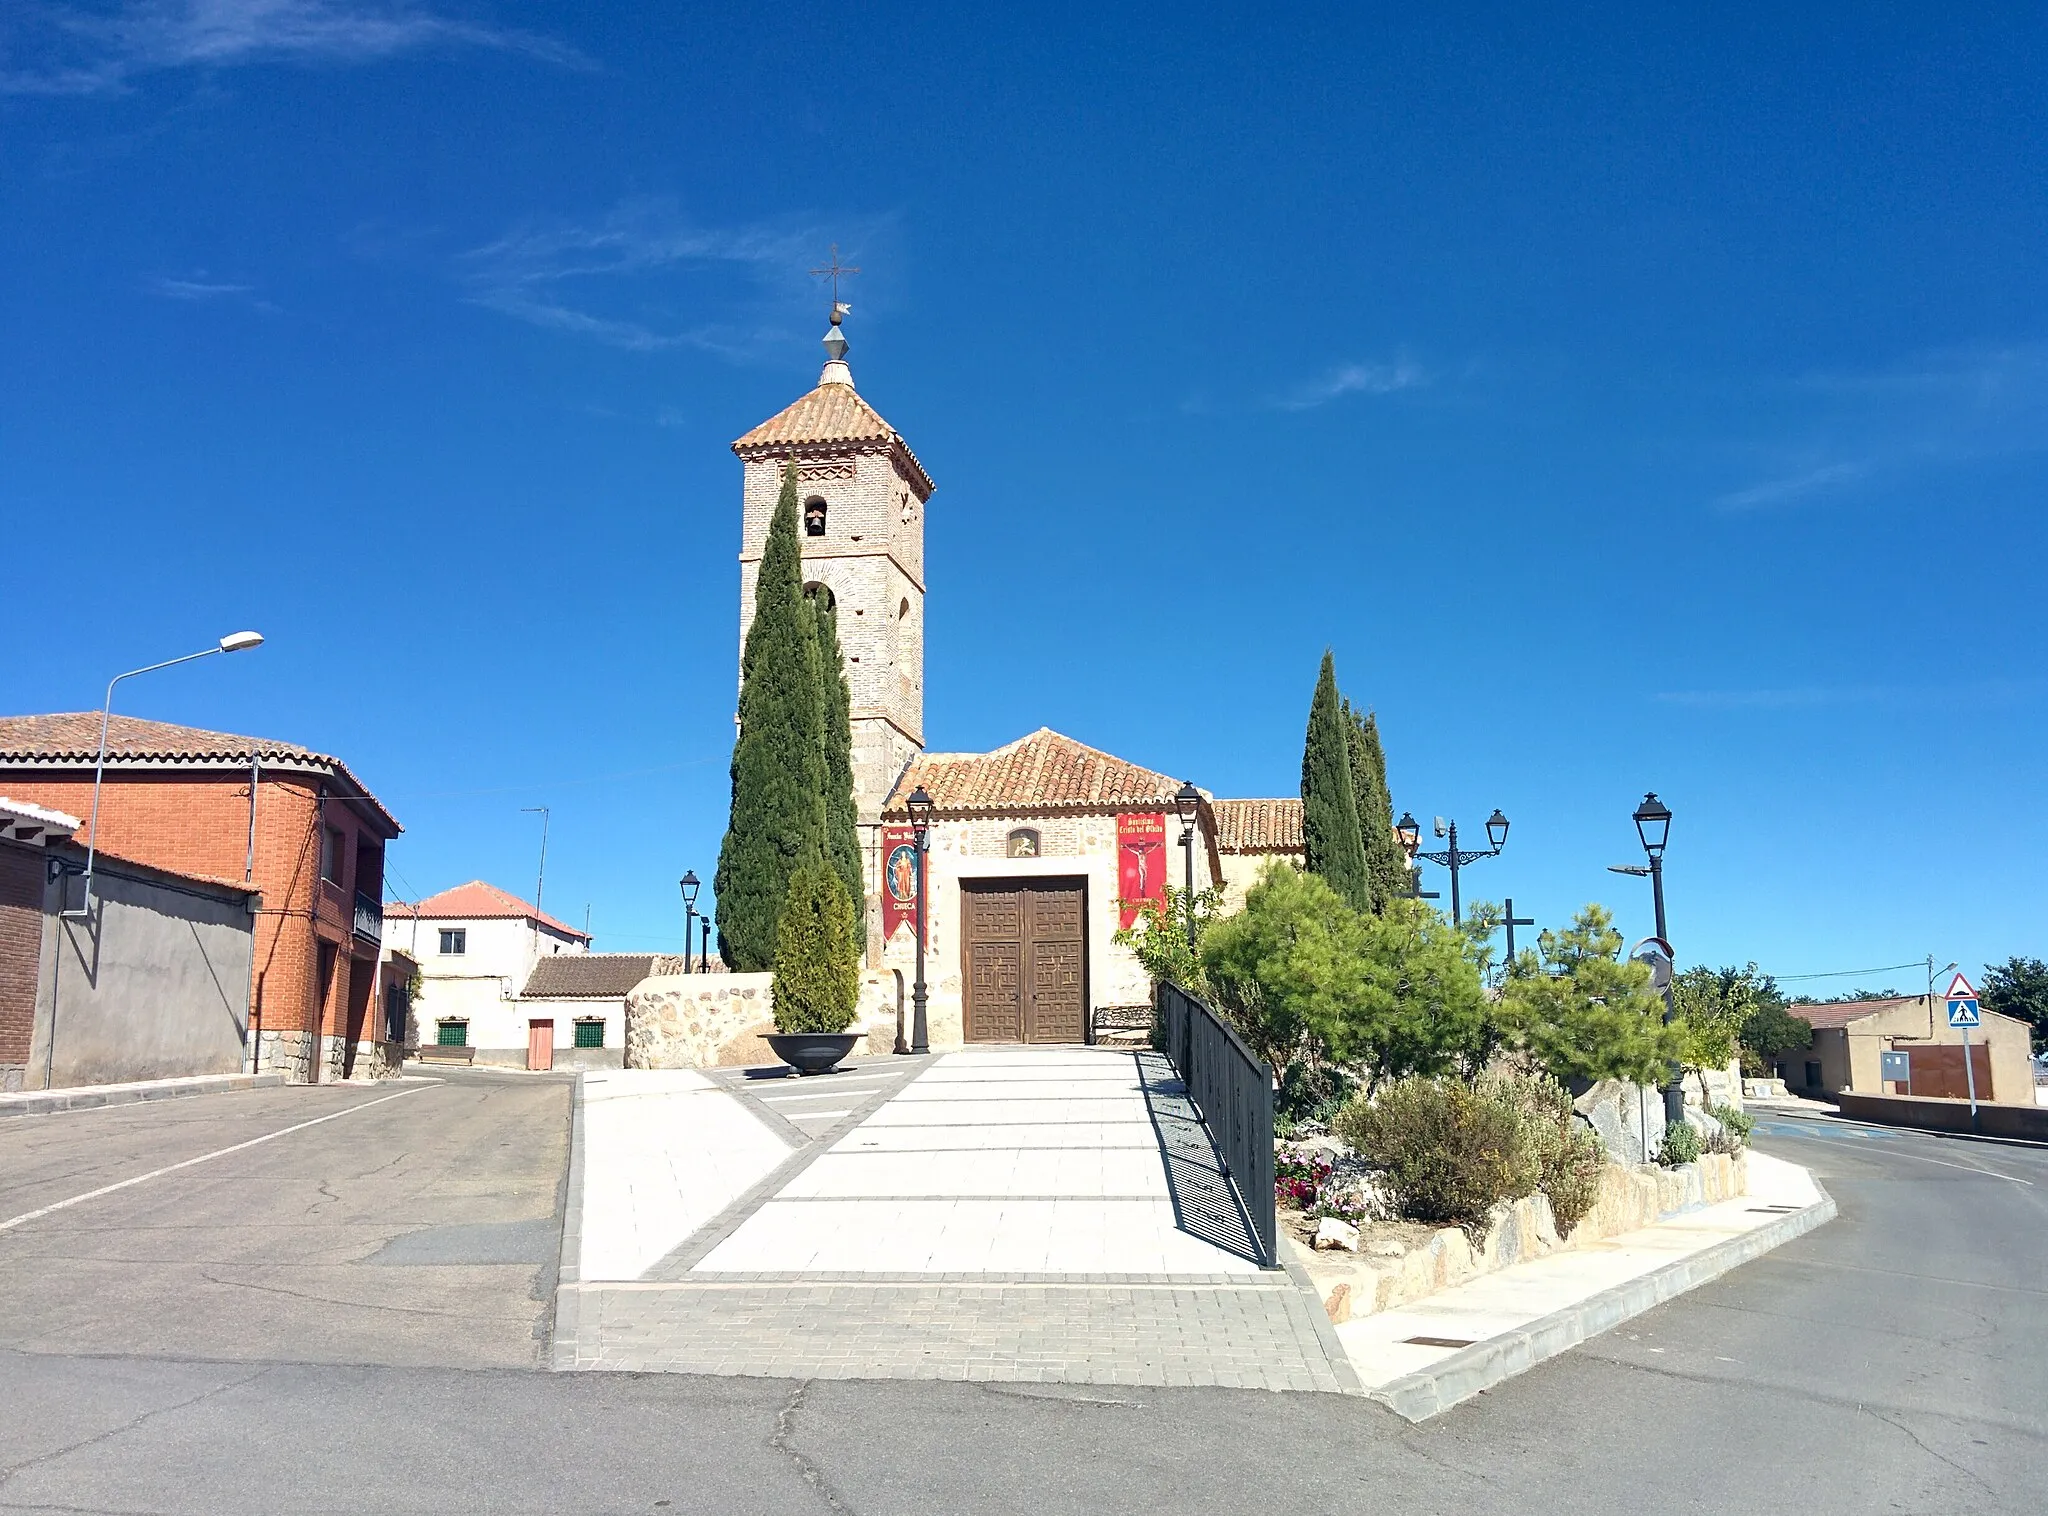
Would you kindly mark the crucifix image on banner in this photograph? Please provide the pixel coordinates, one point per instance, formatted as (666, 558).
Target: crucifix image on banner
(1140, 863)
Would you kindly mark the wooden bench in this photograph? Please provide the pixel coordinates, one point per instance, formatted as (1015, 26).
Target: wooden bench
(434, 1052)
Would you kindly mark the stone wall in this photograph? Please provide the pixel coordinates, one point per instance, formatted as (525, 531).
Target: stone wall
(701, 1021)
(286, 1053)
(1407, 1261)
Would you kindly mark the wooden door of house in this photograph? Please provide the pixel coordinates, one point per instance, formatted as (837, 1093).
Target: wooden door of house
(1026, 948)
(540, 1045)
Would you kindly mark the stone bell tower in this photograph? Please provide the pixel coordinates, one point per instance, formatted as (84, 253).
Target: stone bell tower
(863, 493)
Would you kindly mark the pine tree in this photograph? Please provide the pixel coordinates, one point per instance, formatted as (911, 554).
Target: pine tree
(1385, 866)
(817, 966)
(1329, 812)
(842, 817)
(778, 760)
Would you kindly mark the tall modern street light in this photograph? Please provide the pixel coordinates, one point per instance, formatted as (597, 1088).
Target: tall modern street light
(690, 885)
(1653, 826)
(920, 807)
(1452, 857)
(234, 642)
(1188, 801)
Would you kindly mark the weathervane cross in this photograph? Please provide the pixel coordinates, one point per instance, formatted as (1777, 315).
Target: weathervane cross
(835, 271)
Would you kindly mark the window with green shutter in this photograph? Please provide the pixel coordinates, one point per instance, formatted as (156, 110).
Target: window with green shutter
(452, 1034)
(590, 1034)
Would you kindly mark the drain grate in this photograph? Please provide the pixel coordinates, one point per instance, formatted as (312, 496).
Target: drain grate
(1771, 1210)
(1438, 1342)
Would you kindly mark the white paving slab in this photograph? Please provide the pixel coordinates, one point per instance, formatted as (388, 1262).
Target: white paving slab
(1007, 1161)
(664, 1151)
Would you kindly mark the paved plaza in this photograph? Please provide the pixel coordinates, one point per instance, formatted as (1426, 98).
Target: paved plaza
(1047, 1215)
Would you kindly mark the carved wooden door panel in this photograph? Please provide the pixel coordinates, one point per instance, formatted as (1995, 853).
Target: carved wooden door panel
(993, 940)
(1057, 966)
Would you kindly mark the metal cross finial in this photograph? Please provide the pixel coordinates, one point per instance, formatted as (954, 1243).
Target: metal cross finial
(835, 271)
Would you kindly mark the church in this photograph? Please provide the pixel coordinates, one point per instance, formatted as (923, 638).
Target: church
(1038, 851)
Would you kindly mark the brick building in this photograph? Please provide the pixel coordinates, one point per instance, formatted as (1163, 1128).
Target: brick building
(294, 824)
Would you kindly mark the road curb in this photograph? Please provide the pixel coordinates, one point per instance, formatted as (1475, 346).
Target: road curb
(96, 1097)
(1431, 1391)
(569, 1265)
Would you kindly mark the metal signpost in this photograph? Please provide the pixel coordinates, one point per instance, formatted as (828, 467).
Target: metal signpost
(1963, 1015)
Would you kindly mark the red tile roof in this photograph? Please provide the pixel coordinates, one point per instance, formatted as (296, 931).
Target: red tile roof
(830, 415)
(1044, 771)
(477, 901)
(1842, 1012)
(71, 739)
(1258, 826)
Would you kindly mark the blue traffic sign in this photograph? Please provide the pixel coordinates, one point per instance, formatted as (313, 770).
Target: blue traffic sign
(1963, 1013)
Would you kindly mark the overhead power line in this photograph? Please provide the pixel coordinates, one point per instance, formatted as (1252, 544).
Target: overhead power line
(1882, 968)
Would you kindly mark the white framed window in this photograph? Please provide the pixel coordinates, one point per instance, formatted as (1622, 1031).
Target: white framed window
(454, 941)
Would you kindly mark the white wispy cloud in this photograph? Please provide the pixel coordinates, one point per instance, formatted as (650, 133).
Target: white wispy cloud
(646, 278)
(200, 289)
(1863, 429)
(84, 51)
(1353, 379)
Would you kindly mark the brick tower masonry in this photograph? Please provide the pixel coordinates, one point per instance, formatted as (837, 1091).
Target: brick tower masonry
(864, 495)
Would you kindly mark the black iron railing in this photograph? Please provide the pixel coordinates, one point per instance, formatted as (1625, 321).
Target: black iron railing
(1233, 1090)
(369, 916)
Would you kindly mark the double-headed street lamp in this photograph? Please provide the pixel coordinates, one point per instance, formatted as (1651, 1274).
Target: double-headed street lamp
(1653, 826)
(234, 642)
(1452, 857)
(920, 807)
(690, 885)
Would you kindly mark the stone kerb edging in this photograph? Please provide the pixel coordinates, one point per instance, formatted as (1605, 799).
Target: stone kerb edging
(92, 1096)
(1431, 1391)
(569, 1264)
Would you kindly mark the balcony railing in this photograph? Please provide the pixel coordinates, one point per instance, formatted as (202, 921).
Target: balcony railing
(369, 917)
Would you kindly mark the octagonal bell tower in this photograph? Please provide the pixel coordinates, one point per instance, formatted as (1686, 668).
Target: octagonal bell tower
(862, 525)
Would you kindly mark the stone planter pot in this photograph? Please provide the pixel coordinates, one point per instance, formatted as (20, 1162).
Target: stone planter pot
(812, 1052)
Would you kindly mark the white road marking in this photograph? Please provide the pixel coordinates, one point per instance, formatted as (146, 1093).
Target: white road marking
(108, 1189)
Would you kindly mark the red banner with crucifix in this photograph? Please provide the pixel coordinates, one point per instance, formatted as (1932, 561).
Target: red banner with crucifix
(1140, 864)
(899, 879)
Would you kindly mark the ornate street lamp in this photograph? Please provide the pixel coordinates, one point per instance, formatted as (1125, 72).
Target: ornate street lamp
(690, 885)
(1188, 801)
(1452, 857)
(1409, 830)
(1653, 826)
(920, 807)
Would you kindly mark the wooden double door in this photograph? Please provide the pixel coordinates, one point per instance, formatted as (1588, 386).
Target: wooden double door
(1026, 948)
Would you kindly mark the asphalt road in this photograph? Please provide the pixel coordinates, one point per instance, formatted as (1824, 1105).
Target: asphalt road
(1892, 1360)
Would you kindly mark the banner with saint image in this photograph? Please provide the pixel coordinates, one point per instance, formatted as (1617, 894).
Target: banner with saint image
(1140, 863)
(899, 879)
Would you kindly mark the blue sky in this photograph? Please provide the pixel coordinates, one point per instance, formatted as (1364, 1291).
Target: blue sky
(1631, 401)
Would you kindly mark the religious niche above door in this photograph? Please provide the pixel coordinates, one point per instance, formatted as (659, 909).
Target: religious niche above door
(1022, 843)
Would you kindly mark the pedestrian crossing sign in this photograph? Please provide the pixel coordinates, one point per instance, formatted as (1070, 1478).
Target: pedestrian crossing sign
(1962, 1003)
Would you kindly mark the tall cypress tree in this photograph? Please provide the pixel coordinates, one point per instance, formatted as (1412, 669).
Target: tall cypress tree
(778, 760)
(1385, 866)
(1329, 811)
(842, 817)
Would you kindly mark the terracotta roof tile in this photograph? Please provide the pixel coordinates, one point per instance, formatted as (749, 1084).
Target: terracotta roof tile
(73, 737)
(830, 415)
(1842, 1012)
(1258, 826)
(1044, 771)
(477, 901)
(577, 976)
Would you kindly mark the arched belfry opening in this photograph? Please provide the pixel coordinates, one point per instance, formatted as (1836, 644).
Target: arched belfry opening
(814, 517)
(820, 595)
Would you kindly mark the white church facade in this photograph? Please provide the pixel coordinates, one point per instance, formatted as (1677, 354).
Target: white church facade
(1038, 851)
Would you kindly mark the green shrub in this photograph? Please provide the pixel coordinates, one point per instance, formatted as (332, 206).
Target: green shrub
(1681, 1145)
(817, 967)
(1739, 1123)
(1446, 1151)
(1568, 1152)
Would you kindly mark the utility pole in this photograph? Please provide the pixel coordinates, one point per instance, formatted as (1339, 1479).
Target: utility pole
(540, 882)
